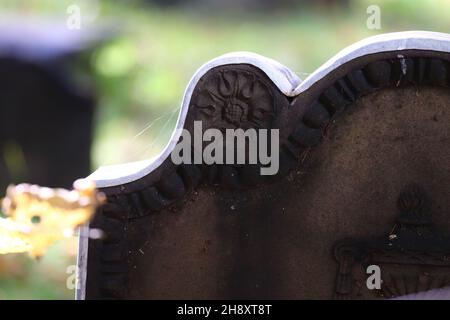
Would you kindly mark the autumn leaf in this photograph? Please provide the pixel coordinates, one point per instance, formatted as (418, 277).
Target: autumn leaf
(37, 216)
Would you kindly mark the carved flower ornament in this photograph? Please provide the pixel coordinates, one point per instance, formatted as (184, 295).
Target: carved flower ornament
(235, 99)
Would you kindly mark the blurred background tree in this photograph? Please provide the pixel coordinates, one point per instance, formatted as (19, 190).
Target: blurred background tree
(140, 76)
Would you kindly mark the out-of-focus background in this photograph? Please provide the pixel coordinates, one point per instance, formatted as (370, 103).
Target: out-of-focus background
(128, 65)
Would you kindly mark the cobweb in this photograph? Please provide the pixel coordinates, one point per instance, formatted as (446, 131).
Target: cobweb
(158, 139)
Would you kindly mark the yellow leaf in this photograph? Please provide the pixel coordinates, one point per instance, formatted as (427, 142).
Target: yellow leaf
(39, 216)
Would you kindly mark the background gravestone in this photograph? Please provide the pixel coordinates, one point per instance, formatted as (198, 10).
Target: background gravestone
(46, 104)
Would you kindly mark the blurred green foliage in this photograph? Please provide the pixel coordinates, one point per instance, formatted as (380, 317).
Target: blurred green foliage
(141, 75)
(24, 278)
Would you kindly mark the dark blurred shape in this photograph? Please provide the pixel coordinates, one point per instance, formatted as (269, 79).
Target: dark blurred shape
(46, 116)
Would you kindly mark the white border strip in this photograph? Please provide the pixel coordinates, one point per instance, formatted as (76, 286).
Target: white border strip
(408, 40)
(83, 243)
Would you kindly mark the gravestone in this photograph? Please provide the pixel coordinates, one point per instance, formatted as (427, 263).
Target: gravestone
(363, 182)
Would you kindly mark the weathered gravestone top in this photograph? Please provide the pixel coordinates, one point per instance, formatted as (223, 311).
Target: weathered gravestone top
(363, 180)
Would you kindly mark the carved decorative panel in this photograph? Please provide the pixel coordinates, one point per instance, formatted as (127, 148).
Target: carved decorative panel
(412, 257)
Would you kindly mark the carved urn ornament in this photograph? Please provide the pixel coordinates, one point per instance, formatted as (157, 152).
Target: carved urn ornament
(235, 97)
(413, 257)
(340, 210)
